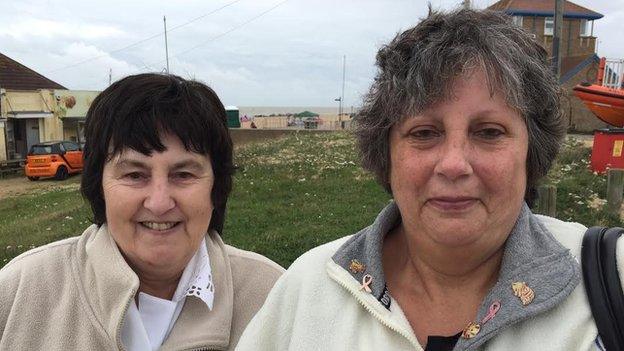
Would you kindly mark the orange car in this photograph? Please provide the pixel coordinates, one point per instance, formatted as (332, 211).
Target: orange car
(56, 159)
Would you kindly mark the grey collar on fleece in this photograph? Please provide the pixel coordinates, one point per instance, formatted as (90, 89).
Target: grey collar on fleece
(531, 255)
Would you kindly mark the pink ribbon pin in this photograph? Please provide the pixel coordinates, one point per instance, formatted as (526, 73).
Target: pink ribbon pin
(494, 307)
(367, 279)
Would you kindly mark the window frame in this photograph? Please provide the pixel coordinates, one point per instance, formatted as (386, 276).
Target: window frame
(551, 30)
(587, 28)
(69, 146)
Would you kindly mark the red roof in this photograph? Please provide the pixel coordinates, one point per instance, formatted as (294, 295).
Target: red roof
(543, 8)
(14, 75)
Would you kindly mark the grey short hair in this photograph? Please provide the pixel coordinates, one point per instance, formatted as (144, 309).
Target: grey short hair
(419, 66)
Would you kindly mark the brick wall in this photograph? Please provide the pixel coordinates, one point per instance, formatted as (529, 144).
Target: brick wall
(573, 43)
(577, 115)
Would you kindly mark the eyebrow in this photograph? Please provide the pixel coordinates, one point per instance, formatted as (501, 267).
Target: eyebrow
(130, 163)
(188, 163)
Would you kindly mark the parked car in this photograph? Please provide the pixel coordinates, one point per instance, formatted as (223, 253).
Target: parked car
(56, 159)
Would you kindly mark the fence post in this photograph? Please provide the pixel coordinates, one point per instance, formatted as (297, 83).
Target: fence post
(547, 200)
(615, 189)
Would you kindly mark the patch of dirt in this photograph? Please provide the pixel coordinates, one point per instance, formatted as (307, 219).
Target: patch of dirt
(16, 186)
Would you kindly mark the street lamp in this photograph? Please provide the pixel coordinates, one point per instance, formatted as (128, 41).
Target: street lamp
(339, 99)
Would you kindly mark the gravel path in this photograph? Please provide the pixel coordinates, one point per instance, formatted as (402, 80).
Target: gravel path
(16, 186)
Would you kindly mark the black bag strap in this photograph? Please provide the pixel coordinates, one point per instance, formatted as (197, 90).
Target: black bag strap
(602, 284)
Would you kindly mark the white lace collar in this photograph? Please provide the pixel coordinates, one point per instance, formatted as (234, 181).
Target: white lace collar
(196, 279)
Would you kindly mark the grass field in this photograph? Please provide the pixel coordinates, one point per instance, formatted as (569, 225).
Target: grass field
(289, 195)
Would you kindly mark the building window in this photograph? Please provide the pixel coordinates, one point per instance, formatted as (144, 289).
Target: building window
(517, 20)
(585, 28)
(549, 25)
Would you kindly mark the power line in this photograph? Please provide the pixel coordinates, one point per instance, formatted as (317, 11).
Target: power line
(143, 40)
(225, 33)
(150, 67)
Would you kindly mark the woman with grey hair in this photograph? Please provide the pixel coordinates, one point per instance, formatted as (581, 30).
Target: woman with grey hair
(459, 125)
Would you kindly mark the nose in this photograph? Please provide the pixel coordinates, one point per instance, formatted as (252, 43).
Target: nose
(159, 199)
(454, 161)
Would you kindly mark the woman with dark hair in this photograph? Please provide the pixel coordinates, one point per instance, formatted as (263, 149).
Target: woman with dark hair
(152, 271)
(459, 126)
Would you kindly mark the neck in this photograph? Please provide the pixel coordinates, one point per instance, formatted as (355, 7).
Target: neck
(158, 283)
(440, 272)
(163, 288)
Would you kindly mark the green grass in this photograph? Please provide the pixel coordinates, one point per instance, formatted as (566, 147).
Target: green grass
(296, 193)
(290, 195)
(580, 192)
(32, 220)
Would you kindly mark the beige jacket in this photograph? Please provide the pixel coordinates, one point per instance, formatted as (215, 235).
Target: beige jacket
(73, 295)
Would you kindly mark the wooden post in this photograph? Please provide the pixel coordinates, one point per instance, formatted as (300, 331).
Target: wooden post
(557, 33)
(547, 200)
(615, 189)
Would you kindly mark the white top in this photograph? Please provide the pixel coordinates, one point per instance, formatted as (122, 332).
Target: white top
(148, 325)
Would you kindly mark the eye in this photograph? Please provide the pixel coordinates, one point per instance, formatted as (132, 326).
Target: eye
(183, 175)
(425, 133)
(490, 133)
(134, 176)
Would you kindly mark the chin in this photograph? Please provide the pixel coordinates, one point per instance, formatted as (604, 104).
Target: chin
(459, 234)
(457, 240)
(162, 256)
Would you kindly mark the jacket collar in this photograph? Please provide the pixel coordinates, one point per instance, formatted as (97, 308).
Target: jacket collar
(531, 255)
(108, 285)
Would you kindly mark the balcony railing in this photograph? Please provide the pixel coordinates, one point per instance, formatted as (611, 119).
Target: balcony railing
(576, 47)
(611, 73)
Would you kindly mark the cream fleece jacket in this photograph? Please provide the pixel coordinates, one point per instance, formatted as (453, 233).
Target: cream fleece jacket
(319, 305)
(73, 295)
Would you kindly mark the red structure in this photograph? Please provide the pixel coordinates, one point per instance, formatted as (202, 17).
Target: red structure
(608, 150)
(606, 100)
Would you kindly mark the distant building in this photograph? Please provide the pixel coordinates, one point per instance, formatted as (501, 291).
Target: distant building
(71, 109)
(579, 61)
(34, 109)
(26, 109)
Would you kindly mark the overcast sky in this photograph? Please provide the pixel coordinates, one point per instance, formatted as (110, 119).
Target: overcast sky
(252, 52)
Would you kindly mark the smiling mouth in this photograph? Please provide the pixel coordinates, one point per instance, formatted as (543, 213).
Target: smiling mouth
(453, 203)
(159, 226)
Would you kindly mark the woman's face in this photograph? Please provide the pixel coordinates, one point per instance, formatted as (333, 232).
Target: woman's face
(458, 169)
(158, 207)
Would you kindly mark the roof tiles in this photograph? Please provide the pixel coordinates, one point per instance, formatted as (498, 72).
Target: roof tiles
(543, 8)
(14, 75)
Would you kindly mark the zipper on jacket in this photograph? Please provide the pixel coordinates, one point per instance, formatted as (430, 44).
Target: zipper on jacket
(372, 311)
(123, 314)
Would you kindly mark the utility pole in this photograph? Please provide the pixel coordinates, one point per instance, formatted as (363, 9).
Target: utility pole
(557, 33)
(110, 76)
(166, 46)
(344, 64)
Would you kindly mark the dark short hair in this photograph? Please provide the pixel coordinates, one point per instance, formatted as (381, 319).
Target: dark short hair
(418, 68)
(136, 111)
